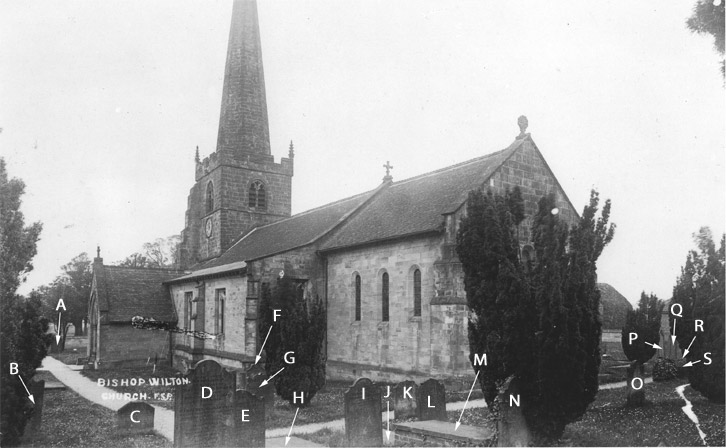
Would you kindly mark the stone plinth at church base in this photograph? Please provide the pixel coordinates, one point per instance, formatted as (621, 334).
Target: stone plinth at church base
(442, 434)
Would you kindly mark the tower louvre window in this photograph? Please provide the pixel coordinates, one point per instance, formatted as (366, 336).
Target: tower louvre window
(210, 197)
(384, 297)
(257, 197)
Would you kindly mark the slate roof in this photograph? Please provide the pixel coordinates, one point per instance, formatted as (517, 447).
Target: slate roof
(416, 205)
(296, 231)
(127, 292)
(614, 309)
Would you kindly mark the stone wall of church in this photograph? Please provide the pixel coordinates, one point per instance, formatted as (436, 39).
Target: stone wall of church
(527, 169)
(236, 344)
(406, 346)
(124, 345)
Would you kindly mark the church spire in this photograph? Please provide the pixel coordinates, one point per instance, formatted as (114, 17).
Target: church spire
(243, 126)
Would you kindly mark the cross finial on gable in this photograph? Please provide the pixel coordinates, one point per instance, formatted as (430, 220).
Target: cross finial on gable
(291, 154)
(388, 167)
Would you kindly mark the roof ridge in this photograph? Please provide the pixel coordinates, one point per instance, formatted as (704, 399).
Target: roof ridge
(456, 165)
(138, 268)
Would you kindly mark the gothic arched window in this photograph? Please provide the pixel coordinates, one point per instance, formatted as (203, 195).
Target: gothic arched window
(384, 297)
(257, 197)
(357, 297)
(210, 197)
(417, 292)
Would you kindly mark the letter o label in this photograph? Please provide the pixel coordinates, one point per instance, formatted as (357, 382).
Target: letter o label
(634, 380)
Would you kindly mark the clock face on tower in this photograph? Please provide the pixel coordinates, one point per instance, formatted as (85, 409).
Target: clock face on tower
(208, 227)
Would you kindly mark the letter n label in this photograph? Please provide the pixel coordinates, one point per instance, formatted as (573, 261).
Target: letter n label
(513, 401)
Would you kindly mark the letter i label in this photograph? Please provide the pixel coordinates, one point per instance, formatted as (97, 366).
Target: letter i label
(364, 393)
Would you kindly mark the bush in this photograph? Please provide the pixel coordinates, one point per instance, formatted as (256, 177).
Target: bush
(664, 370)
(300, 328)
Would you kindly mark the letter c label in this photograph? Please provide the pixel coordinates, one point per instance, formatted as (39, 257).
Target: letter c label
(132, 417)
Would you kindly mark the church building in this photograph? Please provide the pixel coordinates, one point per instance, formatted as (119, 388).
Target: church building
(384, 261)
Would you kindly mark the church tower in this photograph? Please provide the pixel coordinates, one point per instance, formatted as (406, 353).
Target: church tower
(239, 186)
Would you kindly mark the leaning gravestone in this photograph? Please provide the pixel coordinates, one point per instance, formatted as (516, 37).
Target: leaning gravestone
(363, 414)
(37, 389)
(431, 401)
(512, 428)
(404, 399)
(249, 419)
(204, 409)
(136, 417)
(254, 376)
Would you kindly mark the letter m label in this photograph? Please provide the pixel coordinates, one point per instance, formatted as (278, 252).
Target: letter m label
(479, 359)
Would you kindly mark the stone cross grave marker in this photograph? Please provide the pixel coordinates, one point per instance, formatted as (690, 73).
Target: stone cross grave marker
(404, 399)
(431, 401)
(204, 409)
(363, 414)
(136, 417)
(255, 375)
(249, 419)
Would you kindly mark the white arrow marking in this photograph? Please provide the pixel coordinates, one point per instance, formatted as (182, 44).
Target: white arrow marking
(30, 396)
(690, 363)
(287, 438)
(673, 336)
(655, 346)
(259, 355)
(267, 381)
(388, 420)
(458, 422)
(57, 335)
(689, 347)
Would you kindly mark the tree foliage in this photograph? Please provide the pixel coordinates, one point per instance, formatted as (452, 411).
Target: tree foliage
(539, 326)
(645, 322)
(699, 290)
(300, 328)
(74, 287)
(708, 18)
(22, 331)
(160, 253)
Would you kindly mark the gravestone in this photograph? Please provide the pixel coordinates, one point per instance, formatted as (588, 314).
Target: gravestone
(37, 389)
(249, 419)
(254, 376)
(512, 428)
(136, 417)
(636, 397)
(204, 409)
(363, 414)
(431, 401)
(404, 399)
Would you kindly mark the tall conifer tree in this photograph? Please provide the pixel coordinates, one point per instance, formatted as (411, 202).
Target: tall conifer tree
(542, 328)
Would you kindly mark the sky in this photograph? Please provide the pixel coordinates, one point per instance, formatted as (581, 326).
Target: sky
(102, 105)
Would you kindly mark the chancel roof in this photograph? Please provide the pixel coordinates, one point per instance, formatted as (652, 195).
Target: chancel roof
(127, 292)
(417, 205)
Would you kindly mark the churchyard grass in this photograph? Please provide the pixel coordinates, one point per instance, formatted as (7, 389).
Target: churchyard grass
(68, 356)
(70, 420)
(608, 422)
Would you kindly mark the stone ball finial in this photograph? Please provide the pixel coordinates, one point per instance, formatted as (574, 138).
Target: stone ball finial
(522, 122)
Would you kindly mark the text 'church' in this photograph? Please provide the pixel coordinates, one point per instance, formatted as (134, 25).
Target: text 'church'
(383, 261)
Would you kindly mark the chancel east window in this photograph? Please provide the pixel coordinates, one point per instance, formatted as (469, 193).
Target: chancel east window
(357, 297)
(220, 297)
(384, 297)
(210, 197)
(417, 292)
(257, 197)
